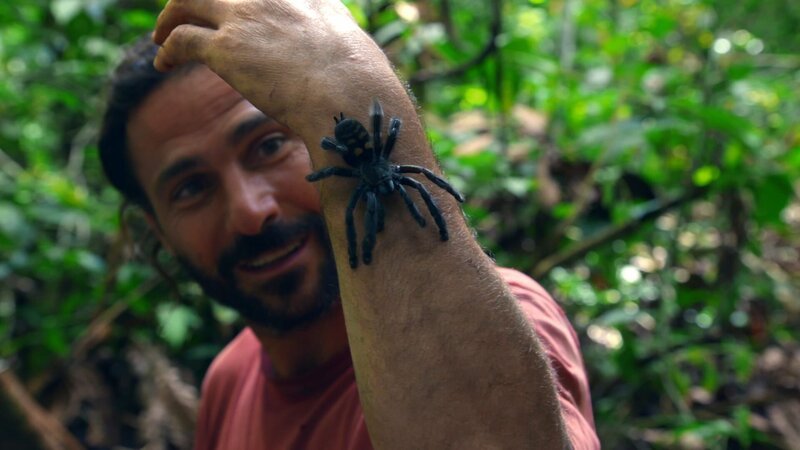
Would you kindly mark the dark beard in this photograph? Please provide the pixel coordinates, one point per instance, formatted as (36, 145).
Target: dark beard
(280, 319)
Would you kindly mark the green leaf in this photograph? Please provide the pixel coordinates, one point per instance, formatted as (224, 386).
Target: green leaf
(716, 119)
(65, 10)
(176, 321)
(705, 175)
(12, 223)
(614, 138)
(390, 31)
(517, 185)
(138, 18)
(771, 195)
(792, 158)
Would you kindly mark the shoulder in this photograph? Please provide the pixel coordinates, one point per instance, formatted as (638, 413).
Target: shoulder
(548, 320)
(232, 363)
(523, 286)
(220, 386)
(538, 306)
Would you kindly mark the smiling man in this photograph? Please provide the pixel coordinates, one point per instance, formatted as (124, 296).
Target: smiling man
(429, 346)
(221, 179)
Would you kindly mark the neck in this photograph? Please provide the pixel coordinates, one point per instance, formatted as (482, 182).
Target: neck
(302, 350)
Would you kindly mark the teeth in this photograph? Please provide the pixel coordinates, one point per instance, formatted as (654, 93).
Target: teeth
(272, 257)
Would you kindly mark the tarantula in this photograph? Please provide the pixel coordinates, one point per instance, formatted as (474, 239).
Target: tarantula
(369, 161)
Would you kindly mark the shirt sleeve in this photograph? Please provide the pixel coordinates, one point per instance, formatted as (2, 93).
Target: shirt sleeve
(560, 343)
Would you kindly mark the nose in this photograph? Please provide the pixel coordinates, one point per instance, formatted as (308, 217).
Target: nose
(251, 204)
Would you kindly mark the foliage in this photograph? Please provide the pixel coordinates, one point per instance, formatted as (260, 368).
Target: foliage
(639, 157)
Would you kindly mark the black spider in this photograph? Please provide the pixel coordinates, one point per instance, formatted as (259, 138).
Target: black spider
(370, 163)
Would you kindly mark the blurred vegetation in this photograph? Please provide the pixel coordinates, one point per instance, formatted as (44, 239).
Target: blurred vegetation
(640, 158)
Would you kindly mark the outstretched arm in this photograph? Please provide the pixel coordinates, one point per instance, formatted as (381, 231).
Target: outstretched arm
(443, 356)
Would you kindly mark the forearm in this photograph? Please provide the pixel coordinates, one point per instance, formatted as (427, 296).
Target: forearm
(443, 357)
(447, 364)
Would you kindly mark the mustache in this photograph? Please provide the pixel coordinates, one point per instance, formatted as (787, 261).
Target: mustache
(272, 236)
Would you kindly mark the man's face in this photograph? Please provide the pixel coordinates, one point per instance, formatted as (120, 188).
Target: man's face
(230, 200)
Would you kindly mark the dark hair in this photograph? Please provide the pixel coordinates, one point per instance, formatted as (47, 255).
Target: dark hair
(131, 83)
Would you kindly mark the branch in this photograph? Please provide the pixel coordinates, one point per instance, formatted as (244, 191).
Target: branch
(495, 28)
(612, 232)
(447, 20)
(96, 333)
(51, 433)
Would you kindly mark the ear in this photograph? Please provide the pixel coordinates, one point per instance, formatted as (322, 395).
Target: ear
(156, 229)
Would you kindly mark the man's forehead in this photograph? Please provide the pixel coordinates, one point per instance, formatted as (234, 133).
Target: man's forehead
(198, 95)
(188, 113)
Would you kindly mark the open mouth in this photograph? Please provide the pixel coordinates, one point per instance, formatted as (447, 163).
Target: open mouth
(274, 258)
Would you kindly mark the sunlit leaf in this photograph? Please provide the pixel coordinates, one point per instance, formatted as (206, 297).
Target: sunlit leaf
(175, 323)
(705, 175)
(65, 10)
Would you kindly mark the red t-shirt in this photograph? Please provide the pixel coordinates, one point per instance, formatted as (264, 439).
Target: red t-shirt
(242, 408)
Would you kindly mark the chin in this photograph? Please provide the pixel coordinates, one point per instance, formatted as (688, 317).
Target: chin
(295, 300)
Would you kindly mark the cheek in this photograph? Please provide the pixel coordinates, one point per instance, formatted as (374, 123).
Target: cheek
(307, 195)
(194, 240)
(294, 184)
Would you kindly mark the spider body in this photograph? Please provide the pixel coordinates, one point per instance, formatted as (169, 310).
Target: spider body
(368, 158)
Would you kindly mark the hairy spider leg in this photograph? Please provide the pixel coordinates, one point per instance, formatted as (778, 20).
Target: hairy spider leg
(350, 227)
(433, 177)
(411, 206)
(370, 226)
(330, 171)
(434, 210)
(391, 136)
(331, 144)
(377, 123)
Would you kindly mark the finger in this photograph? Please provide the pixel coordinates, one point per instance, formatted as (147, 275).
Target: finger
(179, 12)
(186, 43)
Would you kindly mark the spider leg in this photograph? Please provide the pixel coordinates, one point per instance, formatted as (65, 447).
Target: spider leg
(370, 226)
(433, 177)
(330, 171)
(377, 121)
(331, 144)
(434, 210)
(391, 137)
(411, 206)
(350, 226)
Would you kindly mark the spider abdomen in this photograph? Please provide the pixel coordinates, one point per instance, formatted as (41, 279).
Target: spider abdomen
(352, 134)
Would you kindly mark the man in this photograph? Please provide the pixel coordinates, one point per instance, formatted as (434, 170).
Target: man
(429, 346)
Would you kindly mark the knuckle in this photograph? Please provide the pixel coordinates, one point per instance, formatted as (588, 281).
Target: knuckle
(224, 40)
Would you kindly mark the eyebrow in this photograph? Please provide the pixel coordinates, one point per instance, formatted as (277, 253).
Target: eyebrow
(244, 128)
(183, 165)
(176, 169)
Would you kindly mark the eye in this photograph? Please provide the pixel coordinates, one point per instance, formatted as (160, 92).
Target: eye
(190, 188)
(268, 147)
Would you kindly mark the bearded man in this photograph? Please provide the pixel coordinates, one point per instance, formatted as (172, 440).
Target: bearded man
(212, 131)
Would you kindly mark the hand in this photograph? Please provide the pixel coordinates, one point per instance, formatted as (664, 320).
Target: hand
(282, 55)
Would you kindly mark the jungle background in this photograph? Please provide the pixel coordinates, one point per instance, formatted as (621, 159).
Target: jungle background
(640, 158)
